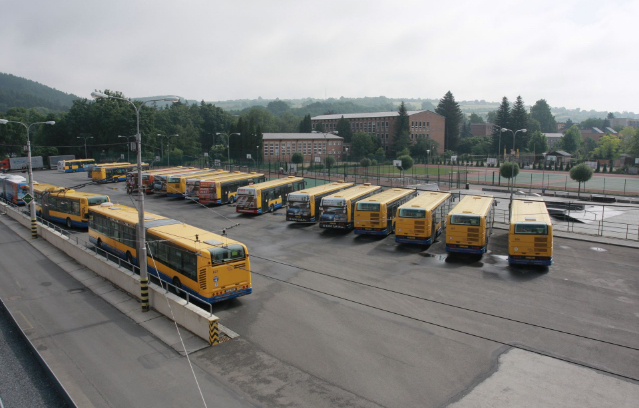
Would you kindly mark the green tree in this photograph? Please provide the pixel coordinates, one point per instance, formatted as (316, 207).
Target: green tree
(571, 140)
(330, 161)
(519, 120)
(319, 127)
(297, 158)
(608, 147)
(402, 123)
(591, 122)
(587, 147)
(420, 148)
(541, 113)
(568, 124)
(491, 116)
(630, 141)
(450, 109)
(407, 162)
(581, 173)
(365, 162)
(361, 145)
(343, 128)
(507, 170)
(277, 107)
(475, 118)
(502, 120)
(401, 142)
(306, 125)
(538, 143)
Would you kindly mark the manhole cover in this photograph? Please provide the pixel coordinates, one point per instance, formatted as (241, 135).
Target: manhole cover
(598, 249)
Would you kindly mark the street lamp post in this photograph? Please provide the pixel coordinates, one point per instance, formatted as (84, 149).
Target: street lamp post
(141, 244)
(32, 211)
(168, 147)
(128, 147)
(228, 144)
(512, 163)
(85, 144)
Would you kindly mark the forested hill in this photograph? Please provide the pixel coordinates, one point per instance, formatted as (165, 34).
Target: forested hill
(16, 92)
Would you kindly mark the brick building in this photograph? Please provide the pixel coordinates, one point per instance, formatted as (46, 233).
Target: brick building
(427, 124)
(281, 146)
(623, 122)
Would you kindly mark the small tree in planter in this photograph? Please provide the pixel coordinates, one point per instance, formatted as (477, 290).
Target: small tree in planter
(581, 173)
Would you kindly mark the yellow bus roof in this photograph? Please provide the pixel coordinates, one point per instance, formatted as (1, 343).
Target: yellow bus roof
(167, 170)
(167, 228)
(123, 213)
(530, 211)
(75, 194)
(181, 173)
(276, 182)
(112, 164)
(238, 175)
(77, 160)
(201, 173)
(44, 186)
(101, 166)
(475, 204)
(355, 192)
(325, 187)
(388, 195)
(427, 201)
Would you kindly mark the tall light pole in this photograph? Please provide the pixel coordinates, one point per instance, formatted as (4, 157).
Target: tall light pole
(512, 163)
(168, 147)
(228, 144)
(141, 250)
(128, 147)
(32, 211)
(85, 143)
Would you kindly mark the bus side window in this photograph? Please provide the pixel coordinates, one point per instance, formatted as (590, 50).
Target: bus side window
(76, 208)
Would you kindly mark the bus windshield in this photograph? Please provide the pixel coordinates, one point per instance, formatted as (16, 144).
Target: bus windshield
(97, 200)
(460, 219)
(367, 206)
(532, 229)
(412, 213)
(174, 179)
(226, 254)
(299, 205)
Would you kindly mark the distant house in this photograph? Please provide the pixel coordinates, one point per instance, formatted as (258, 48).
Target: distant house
(593, 133)
(561, 126)
(560, 156)
(623, 122)
(553, 138)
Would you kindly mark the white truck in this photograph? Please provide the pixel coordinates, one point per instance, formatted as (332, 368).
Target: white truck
(21, 163)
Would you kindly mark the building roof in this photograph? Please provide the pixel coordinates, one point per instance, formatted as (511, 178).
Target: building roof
(367, 115)
(610, 130)
(559, 153)
(295, 136)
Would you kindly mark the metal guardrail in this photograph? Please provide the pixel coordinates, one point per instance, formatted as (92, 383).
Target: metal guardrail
(155, 279)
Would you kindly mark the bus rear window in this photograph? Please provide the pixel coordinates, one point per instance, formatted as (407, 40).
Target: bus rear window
(226, 254)
(367, 206)
(412, 213)
(97, 200)
(460, 219)
(174, 179)
(531, 229)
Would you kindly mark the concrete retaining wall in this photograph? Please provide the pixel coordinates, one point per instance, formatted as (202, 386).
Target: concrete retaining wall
(189, 316)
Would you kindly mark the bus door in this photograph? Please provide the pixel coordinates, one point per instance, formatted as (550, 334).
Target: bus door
(45, 205)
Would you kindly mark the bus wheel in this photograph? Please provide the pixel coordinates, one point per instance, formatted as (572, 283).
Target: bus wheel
(177, 285)
(129, 258)
(99, 243)
(68, 222)
(271, 208)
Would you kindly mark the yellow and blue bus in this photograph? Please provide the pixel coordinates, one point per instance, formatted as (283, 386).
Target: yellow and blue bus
(210, 267)
(304, 205)
(89, 167)
(113, 174)
(148, 177)
(161, 181)
(65, 206)
(70, 166)
(530, 235)
(422, 219)
(221, 189)
(176, 183)
(338, 208)
(132, 177)
(375, 215)
(268, 196)
(470, 224)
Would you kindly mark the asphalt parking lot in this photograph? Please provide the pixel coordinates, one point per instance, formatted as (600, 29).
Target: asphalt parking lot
(339, 319)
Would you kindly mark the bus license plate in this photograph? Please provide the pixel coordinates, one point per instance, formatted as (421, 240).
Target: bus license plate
(230, 290)
(463, 246)
(530, 257)
(410, 237)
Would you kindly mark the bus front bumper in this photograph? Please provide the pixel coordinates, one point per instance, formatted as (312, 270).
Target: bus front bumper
(336, 225)
(248, 210)
(371, 231)
(465, 249)
(413, 240)
(523, 260)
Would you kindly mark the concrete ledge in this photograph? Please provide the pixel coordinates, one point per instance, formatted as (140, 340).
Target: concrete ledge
(188, 315)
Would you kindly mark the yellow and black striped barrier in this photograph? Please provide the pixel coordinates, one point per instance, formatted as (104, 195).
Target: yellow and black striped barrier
(34, 229)
(214, 335)
(144, 293)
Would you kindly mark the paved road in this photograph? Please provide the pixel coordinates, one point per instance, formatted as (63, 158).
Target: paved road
(337, 319)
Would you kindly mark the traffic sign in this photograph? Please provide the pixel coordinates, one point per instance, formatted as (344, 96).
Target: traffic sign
(27, 198)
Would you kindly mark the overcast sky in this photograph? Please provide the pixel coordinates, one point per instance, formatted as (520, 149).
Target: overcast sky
(575, 54)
